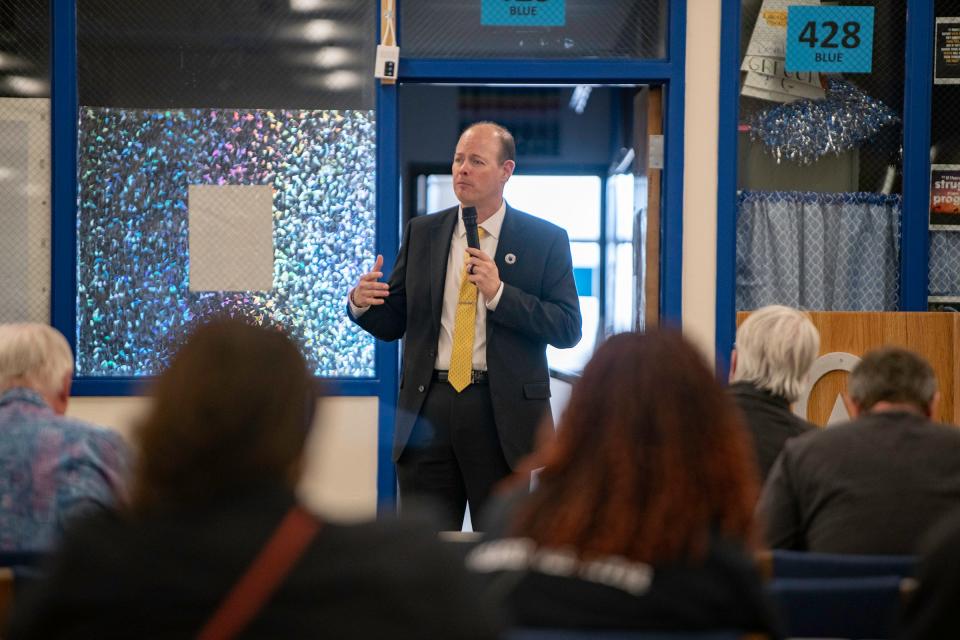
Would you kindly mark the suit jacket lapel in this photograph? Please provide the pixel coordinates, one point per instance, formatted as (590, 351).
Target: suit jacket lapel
(441, 235)
(510, 242)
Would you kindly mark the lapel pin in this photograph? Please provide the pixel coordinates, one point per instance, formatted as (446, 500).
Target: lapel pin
(509, 258)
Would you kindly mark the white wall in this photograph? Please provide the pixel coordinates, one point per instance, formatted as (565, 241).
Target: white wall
(700, 173)
(341, 475)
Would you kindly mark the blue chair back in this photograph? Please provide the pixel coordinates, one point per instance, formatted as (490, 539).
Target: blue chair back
(863, 607)
(804, 564)
(23, 558)
(27, 566)
(604, 634)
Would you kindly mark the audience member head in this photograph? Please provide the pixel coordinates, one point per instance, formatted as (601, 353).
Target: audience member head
(776, 347)
(649, 459)
(892, 379)
(232, 412)
(36, 356)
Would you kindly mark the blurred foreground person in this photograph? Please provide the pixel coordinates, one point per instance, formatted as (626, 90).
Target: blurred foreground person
(876, 484)
(215, 544)
(642, 514)
(931, 612)
(776, 347)
(52, 468)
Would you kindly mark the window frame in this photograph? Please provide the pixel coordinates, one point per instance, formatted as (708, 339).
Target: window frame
(668, 72)
(914, 233)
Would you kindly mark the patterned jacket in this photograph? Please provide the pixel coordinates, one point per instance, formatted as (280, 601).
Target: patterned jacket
(52, 468)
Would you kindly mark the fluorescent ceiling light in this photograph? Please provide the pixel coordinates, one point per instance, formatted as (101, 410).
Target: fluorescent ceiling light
(343, 80)
(11, 61)
(308, 6)
(26, 86)
(578, 100)
(319, 30)
(329, 57)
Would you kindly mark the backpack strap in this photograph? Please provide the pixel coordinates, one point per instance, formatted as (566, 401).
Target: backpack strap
(264, 575)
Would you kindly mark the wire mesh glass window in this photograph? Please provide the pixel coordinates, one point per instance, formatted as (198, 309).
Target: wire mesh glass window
(24, 161)
(944, 258)
(819, 169)
(571, 29)
(226, 166)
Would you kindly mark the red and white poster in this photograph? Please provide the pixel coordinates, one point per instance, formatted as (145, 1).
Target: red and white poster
(945, 195)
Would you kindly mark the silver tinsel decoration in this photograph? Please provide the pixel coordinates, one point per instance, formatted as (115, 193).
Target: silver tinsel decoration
(805, 130)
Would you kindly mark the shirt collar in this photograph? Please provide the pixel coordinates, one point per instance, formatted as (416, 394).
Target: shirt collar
(491, 225)
(22, 394)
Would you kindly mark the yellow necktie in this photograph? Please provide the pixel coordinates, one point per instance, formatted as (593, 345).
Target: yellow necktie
(464, 326)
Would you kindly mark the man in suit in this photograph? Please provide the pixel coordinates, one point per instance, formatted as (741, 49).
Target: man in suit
(470, 400)
(875, 485)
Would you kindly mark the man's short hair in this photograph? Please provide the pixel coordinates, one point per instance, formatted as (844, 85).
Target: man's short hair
(508, 148)
(892, 374)
(33, 355)
(776, 347)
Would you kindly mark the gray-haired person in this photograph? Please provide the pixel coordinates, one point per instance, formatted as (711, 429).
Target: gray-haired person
(776, 347)
(876, 484)
(54, 467)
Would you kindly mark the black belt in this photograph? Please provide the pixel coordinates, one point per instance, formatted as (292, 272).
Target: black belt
(476, 377)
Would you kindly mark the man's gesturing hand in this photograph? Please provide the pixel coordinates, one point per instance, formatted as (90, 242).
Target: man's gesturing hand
(368, 290)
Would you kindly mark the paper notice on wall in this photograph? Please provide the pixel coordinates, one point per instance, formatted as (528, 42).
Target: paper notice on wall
(230, 237)
(778, 89)
(769, 37)
(774, 67)
(764, 94)
(767, 78)
(946, 63)
(945, 196)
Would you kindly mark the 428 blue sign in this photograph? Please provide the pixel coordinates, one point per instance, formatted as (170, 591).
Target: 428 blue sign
(829, 39)
(850, 39)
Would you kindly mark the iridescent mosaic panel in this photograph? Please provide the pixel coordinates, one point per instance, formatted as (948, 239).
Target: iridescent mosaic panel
(133, 296)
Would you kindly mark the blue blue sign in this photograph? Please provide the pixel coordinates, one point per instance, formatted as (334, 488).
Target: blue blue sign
(829, 38)
(523, 13)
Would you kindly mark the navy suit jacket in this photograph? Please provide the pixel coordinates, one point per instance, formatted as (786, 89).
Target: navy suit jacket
(539, 306)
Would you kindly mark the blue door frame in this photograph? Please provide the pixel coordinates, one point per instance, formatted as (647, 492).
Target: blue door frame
(668, 72)
(914, 238)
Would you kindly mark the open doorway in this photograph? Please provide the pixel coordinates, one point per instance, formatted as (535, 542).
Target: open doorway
(582, 163)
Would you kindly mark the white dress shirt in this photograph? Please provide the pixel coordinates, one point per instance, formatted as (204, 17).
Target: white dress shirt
(451, 291)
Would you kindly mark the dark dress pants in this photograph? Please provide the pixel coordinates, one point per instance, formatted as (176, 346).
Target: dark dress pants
(453, 457)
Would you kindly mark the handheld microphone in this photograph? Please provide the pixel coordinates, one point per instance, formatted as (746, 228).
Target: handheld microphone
(470, 224)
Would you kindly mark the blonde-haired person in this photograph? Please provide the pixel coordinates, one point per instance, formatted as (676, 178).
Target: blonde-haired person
(776, 347)
(54, 467)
